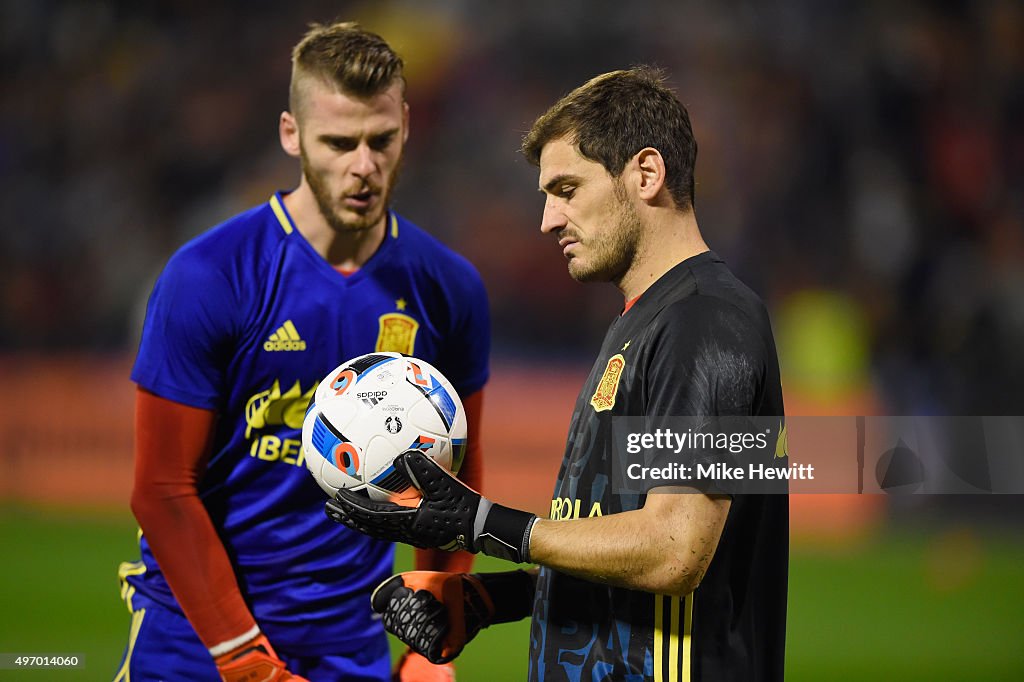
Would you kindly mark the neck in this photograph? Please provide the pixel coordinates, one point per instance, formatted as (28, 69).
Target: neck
(348, 250)
(667, 240)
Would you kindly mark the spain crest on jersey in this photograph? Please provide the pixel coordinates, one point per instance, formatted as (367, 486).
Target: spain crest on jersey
(608, 386)
(397, 333)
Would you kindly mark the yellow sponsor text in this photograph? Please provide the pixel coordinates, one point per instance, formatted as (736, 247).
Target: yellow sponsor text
(270, 448)
(273, 408)
(782, 444)
(565, 509)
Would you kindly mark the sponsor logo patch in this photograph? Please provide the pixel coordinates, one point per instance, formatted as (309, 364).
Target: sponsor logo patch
(782, 443)
(272, 408)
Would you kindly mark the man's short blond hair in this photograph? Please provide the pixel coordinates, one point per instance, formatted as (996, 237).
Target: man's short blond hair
(345, 56)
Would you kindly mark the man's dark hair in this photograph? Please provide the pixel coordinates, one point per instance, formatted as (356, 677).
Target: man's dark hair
(613, 116)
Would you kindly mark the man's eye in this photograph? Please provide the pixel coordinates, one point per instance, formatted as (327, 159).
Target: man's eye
(341, 145)
(381, 143)
(567, 191)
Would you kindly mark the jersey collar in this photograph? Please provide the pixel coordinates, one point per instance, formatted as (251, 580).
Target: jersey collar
(678, 275)
(287, 224)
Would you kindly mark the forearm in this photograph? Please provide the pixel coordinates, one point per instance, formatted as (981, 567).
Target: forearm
(172, 443)
(194, 562)
(665, 547)
(612, 550)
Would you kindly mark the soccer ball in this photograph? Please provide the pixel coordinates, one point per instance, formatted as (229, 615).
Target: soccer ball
(371, 409)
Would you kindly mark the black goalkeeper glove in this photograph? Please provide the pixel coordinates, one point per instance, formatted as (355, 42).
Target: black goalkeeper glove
(436, 614)
(450, 516)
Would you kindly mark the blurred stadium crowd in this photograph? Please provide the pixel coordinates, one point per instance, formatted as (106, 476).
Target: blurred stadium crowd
(861, 166)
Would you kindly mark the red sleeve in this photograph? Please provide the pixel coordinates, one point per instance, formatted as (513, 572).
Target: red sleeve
(472, 474)
(172, 445)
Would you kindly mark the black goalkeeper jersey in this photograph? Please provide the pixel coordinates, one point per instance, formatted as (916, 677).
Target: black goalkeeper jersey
(697, 342)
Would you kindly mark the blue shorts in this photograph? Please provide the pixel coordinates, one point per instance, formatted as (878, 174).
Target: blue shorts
(163, 646)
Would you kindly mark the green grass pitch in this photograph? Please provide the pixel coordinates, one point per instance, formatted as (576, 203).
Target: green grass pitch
(906, 606)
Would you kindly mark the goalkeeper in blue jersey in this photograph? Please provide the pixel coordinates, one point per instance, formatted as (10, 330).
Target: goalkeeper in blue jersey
(241, 576)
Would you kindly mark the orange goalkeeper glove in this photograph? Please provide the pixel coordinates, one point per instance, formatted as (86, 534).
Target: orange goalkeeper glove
(436, 614)
(254, 661)
(412, 667)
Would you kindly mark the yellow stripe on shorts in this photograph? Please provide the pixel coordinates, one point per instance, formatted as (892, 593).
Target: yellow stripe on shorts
(124, 674)
(129, 568)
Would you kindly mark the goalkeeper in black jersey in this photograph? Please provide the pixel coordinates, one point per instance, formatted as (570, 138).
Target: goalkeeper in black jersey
(657, 585)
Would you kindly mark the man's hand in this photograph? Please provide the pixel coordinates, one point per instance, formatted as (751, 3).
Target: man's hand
(434, 613)
(450, 516)
(254, 660)
(412, 667)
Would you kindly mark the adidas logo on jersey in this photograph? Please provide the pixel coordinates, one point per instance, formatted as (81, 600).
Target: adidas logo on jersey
(285, 338)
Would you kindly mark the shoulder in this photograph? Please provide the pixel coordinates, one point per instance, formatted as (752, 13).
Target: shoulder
(430, 256)
(225, 253)
(718, 306)
(701, 314)
(707, 356)
(711, 334)
(714, 280)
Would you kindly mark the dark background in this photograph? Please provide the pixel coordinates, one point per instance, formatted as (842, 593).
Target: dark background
(861, 165)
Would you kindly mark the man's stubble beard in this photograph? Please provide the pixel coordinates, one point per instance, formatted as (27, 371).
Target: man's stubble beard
(615, 253)
(329, 209)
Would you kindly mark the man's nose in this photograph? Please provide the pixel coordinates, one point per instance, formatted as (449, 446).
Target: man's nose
(553, 218)
(364, 163)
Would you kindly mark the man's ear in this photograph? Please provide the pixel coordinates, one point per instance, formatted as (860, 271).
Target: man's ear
(650, 168)
(288, 128)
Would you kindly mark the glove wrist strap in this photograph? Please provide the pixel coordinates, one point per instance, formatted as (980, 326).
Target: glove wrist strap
(503, 532)
(510, 592)
(235, 642)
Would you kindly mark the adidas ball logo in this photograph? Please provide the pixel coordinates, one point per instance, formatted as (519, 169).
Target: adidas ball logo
(285, 338)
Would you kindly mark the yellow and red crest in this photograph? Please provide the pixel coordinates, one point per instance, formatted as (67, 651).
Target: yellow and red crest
(604, 396)
(397, 333)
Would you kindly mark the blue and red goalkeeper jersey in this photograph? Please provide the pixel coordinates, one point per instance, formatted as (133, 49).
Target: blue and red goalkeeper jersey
(245, 320)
